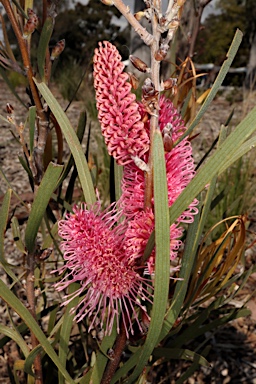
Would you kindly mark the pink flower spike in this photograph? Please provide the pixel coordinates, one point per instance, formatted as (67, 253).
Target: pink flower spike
(179, 172)
(92, 247)
(179, 166)
(137, 235)
(119, 116)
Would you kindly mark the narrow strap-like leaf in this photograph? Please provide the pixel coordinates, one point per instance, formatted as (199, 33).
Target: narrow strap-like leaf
(66, 329)
(225, 155)
(15, 336)
(40, 203)
(3, 223)
(32, 122)
(26, 316)
(73, 142)
(182, 284)
(179, 353)
(219, 79)
(162, 262)
(43, 45)
(101, 360)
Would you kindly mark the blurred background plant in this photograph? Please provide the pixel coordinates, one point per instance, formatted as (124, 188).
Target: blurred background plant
(50, 347)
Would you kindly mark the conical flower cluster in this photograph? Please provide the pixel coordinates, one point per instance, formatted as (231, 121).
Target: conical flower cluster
(119, 115)
(101, 251)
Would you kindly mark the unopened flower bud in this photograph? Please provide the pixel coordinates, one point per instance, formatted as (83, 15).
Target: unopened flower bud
(150, 97)
(45, 254)
(162, 52)
(11, 119)
(111, 353)
(58, 49)
(167, 137)
(30, 12)
(168, 143)
(148, 88)
(169, 83)
(9, 108)
(133, 80)
(139, 64)
(145, 320)
(29, 28)
(31, 24)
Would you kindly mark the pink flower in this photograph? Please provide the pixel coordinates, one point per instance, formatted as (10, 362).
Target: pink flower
(121, 124)
(137, 235)
(179, 171)
(179, 166)
(92, 247)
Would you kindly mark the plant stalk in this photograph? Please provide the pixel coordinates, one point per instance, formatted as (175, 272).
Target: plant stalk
(31, 302)
(155, 77)
(118, 350)
(43, 121)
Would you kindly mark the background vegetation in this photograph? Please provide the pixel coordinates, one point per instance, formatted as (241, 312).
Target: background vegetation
(61, 169)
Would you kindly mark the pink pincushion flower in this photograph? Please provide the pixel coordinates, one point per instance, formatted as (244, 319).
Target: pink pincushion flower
(179, 165)
(179, 171)
(94, 255)
(121, 124)
(137, 235)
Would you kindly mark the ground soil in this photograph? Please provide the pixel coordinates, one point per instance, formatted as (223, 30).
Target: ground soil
(233, 348)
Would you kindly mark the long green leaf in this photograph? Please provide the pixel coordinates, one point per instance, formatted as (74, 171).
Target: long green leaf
(193, 367)
(6, 79)
(242, 150)
(43, 45)
(17, 235)
(80, 134)
(28, 366)
(219, 79)
(3, 223)
(162, 262)
(26, 316)
(179, 294)
(95, 375)
(72, 140)
(16, 336)
(225, 155)
(40, 203)
(181, 285)
(66, 329)
(207, 202)
(23, 329)
(32, 122)
(179, 353)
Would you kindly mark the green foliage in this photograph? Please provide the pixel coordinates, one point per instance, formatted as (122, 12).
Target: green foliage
(234, 193)
(67, 350)
(16, 79)
(68, 80)
(214, 38)
(83, 26)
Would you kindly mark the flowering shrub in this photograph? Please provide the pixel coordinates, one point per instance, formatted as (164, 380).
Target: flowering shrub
(129, 274)
(102, 254)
